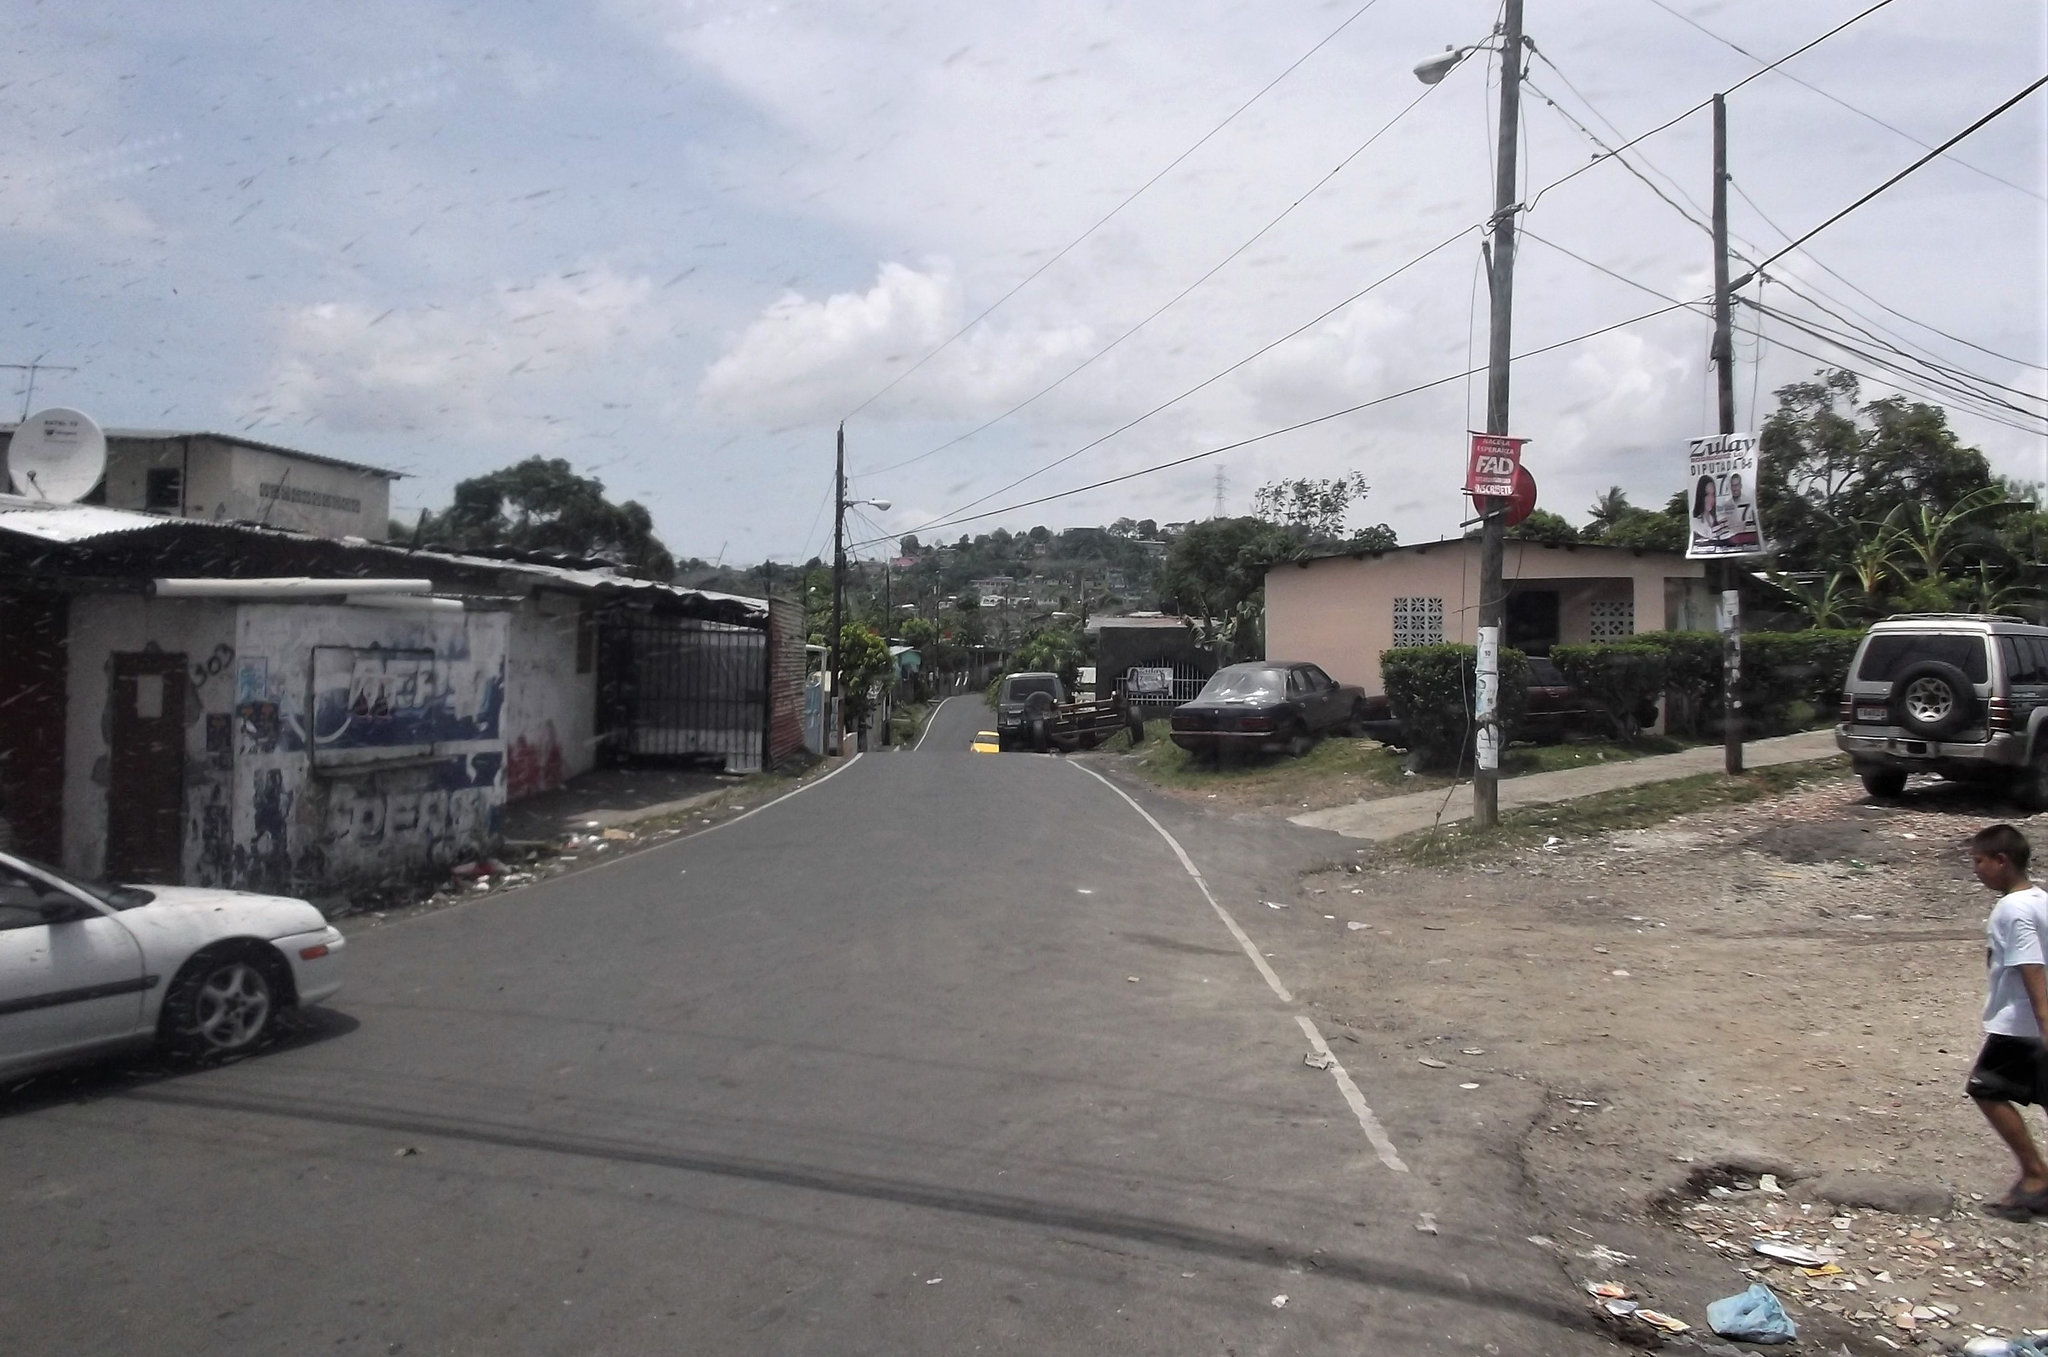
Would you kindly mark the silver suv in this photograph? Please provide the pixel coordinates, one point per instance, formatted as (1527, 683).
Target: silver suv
(1964, 696)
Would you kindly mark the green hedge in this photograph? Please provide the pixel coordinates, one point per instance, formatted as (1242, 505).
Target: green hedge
(1430, 691)
(1624, 679)
(1782, 672)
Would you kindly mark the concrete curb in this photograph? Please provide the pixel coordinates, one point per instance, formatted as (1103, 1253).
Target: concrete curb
(1389, 817)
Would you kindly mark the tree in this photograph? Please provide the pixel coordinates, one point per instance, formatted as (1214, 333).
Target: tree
(1831, 467)
(1313, 511)
(864, 660)
(1607, 510)
(541, 504)
(1544, 526)
(1215, 576)
(909, 546)
(1056, 650)
(1663, 529)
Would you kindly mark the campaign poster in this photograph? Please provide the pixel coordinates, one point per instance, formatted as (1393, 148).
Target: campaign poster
(1721, 489)
(1490, 470)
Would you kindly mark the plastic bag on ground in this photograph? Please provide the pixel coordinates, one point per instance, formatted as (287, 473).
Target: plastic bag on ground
(1752, 1317)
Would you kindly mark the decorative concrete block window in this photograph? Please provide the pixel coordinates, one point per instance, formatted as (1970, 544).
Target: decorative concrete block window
(1612, 620)
(1418, 621)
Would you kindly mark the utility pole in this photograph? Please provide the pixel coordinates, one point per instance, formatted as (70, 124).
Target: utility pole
(1492, 511)
(837, 697)
(1726, 573)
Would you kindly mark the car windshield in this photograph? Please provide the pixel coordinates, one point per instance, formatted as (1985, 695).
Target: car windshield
(1887, 655)
(115, 897)
(1239, 684)
(1021, 686)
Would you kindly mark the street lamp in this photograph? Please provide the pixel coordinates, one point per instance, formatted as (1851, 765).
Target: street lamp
(1433, 69)
(1491, 510)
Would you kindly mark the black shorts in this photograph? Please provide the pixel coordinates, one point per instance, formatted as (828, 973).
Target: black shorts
(2010, 1070)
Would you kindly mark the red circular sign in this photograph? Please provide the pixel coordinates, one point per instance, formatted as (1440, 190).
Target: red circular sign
(1523, 502)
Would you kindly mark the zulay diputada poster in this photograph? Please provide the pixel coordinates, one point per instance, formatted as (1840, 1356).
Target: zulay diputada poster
(1721, 473)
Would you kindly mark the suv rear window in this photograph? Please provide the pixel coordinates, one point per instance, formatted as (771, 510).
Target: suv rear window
(1886, 655)
(1017, 687)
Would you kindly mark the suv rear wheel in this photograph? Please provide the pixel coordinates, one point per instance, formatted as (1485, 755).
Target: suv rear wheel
(1883, 783)
(2030, 785)
(1933, 699)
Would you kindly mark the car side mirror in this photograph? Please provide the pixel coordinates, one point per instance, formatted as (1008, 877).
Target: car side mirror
(61, 910)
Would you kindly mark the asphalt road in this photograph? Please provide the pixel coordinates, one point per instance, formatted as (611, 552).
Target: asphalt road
(946, 1053)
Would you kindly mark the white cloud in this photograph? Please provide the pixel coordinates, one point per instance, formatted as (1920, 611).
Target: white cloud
(804, 359)
(480, 369)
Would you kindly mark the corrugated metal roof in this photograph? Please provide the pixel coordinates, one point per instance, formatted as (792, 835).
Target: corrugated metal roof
(78, 524)
(72, 522)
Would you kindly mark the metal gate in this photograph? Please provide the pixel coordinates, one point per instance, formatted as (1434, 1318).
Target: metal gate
(1188, 681)
(680, 689)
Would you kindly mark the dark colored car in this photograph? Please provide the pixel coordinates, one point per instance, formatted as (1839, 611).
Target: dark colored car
(1269, 706)
(1025, 704)
(1552, 710)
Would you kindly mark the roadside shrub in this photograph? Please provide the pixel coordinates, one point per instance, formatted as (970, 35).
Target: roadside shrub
(1624, 678)
(1692, 674)
(1430, 690)
(1784, 670)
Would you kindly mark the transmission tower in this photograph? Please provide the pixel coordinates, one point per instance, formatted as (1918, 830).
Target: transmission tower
(1221, 482)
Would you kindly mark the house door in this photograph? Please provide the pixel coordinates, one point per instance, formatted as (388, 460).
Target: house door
(1532, 621)
(146, 769)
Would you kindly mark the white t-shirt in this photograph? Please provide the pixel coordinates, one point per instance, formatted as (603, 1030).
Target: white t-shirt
(2015, 935)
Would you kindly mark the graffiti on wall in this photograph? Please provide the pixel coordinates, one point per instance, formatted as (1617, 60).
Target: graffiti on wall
(370, 703)
(533, 765)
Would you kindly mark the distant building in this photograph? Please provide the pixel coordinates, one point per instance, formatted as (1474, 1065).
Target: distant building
(994, 586)
(224, 478)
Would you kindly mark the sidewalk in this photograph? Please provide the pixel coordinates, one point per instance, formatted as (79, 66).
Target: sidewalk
(1390, 817)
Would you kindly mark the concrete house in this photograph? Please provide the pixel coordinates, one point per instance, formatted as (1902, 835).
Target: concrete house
(1342, 609)
(208, 703)
(225, 478)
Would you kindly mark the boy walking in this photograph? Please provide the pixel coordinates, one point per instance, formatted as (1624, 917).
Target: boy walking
(2013, 1066)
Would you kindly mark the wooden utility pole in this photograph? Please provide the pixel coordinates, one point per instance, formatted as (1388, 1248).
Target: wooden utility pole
(1492, 511)
(1727, 574)
(834, 699)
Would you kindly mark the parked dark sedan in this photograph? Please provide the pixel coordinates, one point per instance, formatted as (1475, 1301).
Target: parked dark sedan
(1269, 705)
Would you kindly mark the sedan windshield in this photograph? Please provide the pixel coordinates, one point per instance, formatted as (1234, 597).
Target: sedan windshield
(1242, 684)
(115, 897)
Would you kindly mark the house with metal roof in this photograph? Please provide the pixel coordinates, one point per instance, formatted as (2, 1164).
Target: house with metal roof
(223, 478)
(230, 704)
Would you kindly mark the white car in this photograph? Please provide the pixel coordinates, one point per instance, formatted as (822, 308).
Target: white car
(86, 968)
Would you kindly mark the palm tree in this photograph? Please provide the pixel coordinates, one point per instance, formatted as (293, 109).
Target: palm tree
(1609, 509)
(1826, 603)
(1930, 537)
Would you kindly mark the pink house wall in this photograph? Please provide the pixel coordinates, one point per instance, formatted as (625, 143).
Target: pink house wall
(1339, 613)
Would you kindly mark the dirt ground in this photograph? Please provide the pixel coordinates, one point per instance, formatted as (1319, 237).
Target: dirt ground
(1791, 987)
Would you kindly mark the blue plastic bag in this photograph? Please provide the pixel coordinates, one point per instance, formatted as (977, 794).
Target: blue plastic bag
(1752, 1317)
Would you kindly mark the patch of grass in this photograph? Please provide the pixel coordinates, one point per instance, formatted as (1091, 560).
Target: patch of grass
(1603, 812)
(1354, 765)
(906, 722)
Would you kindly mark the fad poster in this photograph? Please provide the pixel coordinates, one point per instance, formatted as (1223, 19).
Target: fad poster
(1721, 471)
(1490, 470)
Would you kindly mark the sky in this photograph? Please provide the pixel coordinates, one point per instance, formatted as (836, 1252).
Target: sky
(677, 242)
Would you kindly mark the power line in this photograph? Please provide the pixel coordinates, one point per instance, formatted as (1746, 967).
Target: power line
(1939, 382)
(1215, 377)
(1171, 302)
(1951, 384)
(1822, 265)
(1295, 427)
(1104, 220)
(1679, 118)
(1770, 259)
(1836, 99)
(1892, 380)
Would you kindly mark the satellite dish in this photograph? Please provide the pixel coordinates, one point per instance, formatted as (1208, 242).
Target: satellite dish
(57, 455)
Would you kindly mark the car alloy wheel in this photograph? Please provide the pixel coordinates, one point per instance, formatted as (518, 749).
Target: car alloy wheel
(230, 1006)
(1929, 699)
